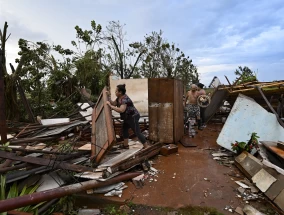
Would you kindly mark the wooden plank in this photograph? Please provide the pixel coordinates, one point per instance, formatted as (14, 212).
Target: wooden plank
(93, 135)
(101, 132)
(119, 158)
(227, 80)
(272, 146)
(45, 162)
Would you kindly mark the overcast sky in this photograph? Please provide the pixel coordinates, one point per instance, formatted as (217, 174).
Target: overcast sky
(218, 35)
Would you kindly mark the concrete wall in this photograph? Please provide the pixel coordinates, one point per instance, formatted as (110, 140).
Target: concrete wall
(136, 89)
(247, 117)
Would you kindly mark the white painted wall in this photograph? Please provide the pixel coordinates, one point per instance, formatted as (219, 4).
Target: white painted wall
(246, 117)
(136, 89)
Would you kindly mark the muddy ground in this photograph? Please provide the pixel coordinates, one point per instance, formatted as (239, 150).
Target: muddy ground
(188, 178)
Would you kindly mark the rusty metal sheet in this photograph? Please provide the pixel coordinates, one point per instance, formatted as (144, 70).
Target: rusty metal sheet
(153, 121)
(45, 162)
(178, 111)
(102, 130)
(166, 122)
(161, 90)
(165, 110)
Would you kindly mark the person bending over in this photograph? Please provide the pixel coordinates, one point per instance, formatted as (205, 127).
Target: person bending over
(129, 114)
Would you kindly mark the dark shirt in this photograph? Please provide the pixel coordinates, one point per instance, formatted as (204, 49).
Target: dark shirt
(130, 109)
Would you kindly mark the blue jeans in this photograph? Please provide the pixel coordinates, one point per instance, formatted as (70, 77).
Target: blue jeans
(133, 123)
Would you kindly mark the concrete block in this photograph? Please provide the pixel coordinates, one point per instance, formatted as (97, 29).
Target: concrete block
(279, 200)
(263, 180)
(250, 164)
(249, 210)
(275, 188)
(241, 157)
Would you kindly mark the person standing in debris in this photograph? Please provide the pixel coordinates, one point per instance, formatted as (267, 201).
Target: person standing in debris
(191, 104)
(201, 91)
(128, 113)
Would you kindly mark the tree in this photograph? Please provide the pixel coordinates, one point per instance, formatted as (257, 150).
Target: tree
(124, 61)
(61, 82)
(162, 59)
(36, 66)
(245, 75)
(90, 71)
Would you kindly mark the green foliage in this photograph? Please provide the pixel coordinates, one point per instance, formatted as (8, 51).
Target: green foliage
(64, 205)
(15, 192)
(245, 75)
(239, 147)
(113, 210)
(52, 72)
(162, 59)
(5, 147)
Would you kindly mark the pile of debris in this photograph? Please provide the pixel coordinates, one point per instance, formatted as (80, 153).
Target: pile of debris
(59, 157)
(263, 167)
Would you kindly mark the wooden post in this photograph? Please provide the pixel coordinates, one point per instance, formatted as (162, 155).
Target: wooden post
(3, 127)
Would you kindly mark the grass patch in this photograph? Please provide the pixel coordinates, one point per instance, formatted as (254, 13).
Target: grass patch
(143, 210)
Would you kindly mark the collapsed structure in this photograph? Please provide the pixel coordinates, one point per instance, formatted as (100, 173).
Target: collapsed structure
(88, 145)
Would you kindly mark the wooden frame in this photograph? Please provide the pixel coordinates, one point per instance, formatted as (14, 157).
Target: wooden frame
(103, 134)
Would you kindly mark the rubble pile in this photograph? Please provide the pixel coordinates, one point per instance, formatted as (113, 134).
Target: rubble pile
(52, 158)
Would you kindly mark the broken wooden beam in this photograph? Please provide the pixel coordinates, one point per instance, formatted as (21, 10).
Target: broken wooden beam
(269, 105)
(36, 151)
(32, 139)
(46, 162)
(16, 167)
(141, 153)
(134, 160)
